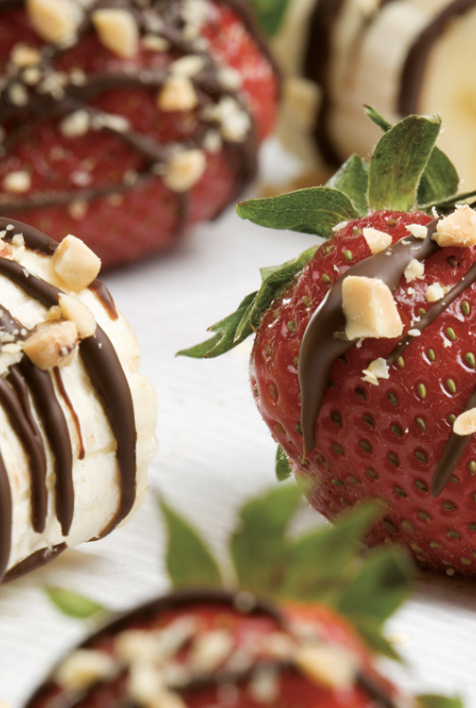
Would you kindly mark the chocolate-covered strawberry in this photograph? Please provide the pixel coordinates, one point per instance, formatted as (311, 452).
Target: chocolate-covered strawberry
(363, 364)
(227, 647)
(127, 122)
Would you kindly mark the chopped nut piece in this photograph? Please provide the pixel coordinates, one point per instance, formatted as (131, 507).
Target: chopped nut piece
(83, 668)
(52, 345)
(17, 182)
(117, 30)
(369, 308)
(177, 94)
(73, 309)
(418, 230)
(264, 685)
(51, 19)
(184, 170)
(22, 55)
(332, 667)
(155, 43)
(415, 269)
(435, 292)
(189, 65)
(377, 369)
(377, 240)
(465, 423)
(75, 263)
(75, 124)
(457, 229)
(210, 649)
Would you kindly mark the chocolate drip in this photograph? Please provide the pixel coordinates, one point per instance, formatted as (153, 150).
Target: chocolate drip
(105, 297)
(64, 395)
(413, 72)
(5, 518)
(41, 388)
(320, 346)
(241, 154)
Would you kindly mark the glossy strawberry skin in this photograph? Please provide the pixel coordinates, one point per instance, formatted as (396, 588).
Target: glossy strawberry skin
(381, 441)
(148, 218)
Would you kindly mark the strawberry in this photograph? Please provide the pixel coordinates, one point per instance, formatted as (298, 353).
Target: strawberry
(225, 646)
(375, 414)
(131, 123)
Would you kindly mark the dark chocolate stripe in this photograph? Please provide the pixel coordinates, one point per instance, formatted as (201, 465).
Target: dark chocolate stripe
(43, 392)
(13, 405)
(320, 347)
(413, 72)
(64, 395)
(6, 514)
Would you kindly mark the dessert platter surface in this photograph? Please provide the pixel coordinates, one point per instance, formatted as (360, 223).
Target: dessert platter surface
(214, 453)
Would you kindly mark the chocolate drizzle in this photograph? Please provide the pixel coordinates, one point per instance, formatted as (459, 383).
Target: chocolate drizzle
(161, 20)
(320, 347)
(25, 386)
(5, 518)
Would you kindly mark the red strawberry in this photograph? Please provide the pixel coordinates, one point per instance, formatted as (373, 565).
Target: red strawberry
(69, 167)
(221, 647)
(349, 434)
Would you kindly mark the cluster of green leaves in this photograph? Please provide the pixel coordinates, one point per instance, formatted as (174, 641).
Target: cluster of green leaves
(405, 171)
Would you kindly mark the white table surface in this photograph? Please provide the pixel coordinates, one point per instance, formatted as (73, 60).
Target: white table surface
(215, 452)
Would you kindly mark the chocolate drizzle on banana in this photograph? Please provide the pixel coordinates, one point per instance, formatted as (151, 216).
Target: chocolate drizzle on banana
(184, 633)
(320, 347)
(58, 94)
(28, 394)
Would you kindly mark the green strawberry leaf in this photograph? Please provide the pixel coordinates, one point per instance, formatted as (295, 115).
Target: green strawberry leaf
(432, 701)
(439, 180)
(372, 634)
(270, 14)
(235, 328)
(258, 547)
(283, 467)
(72, 604)
(352, 179)
(398, 162)
(314, 210)
(189, 561)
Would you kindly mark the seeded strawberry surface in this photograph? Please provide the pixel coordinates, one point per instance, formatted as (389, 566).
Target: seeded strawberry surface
(143, 215)
(381, 440)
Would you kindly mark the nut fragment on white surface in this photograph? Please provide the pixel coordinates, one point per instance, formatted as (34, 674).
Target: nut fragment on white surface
(369, 308)
(185, 169)
(332, 667)
(415, 269)
(457, 229)
(465, 423)
(75, 263)
(51, 19)
(117, 30)
(177, 94)
(73, 309)
(377, 369)
(51, 345)
(83, 668)
(376, 240)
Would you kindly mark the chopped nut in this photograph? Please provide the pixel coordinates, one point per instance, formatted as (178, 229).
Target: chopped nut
(78, 209)
(377, 240)
(377, 369)
(75, 263)
(210, 649)
(457, 229)
(177, 94)
(117, 30)
(332, 667)
(51, 345)
(22, 55)
(51, 19)
(418, 230)
(73, 309)
(465, 423)
(184, 170)
(76, 124)
(435, 292)
(415, 269)
(17, 182)
(369, 308)
(189, 65)
(155, 43)
(83, 668)
(264, 685)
